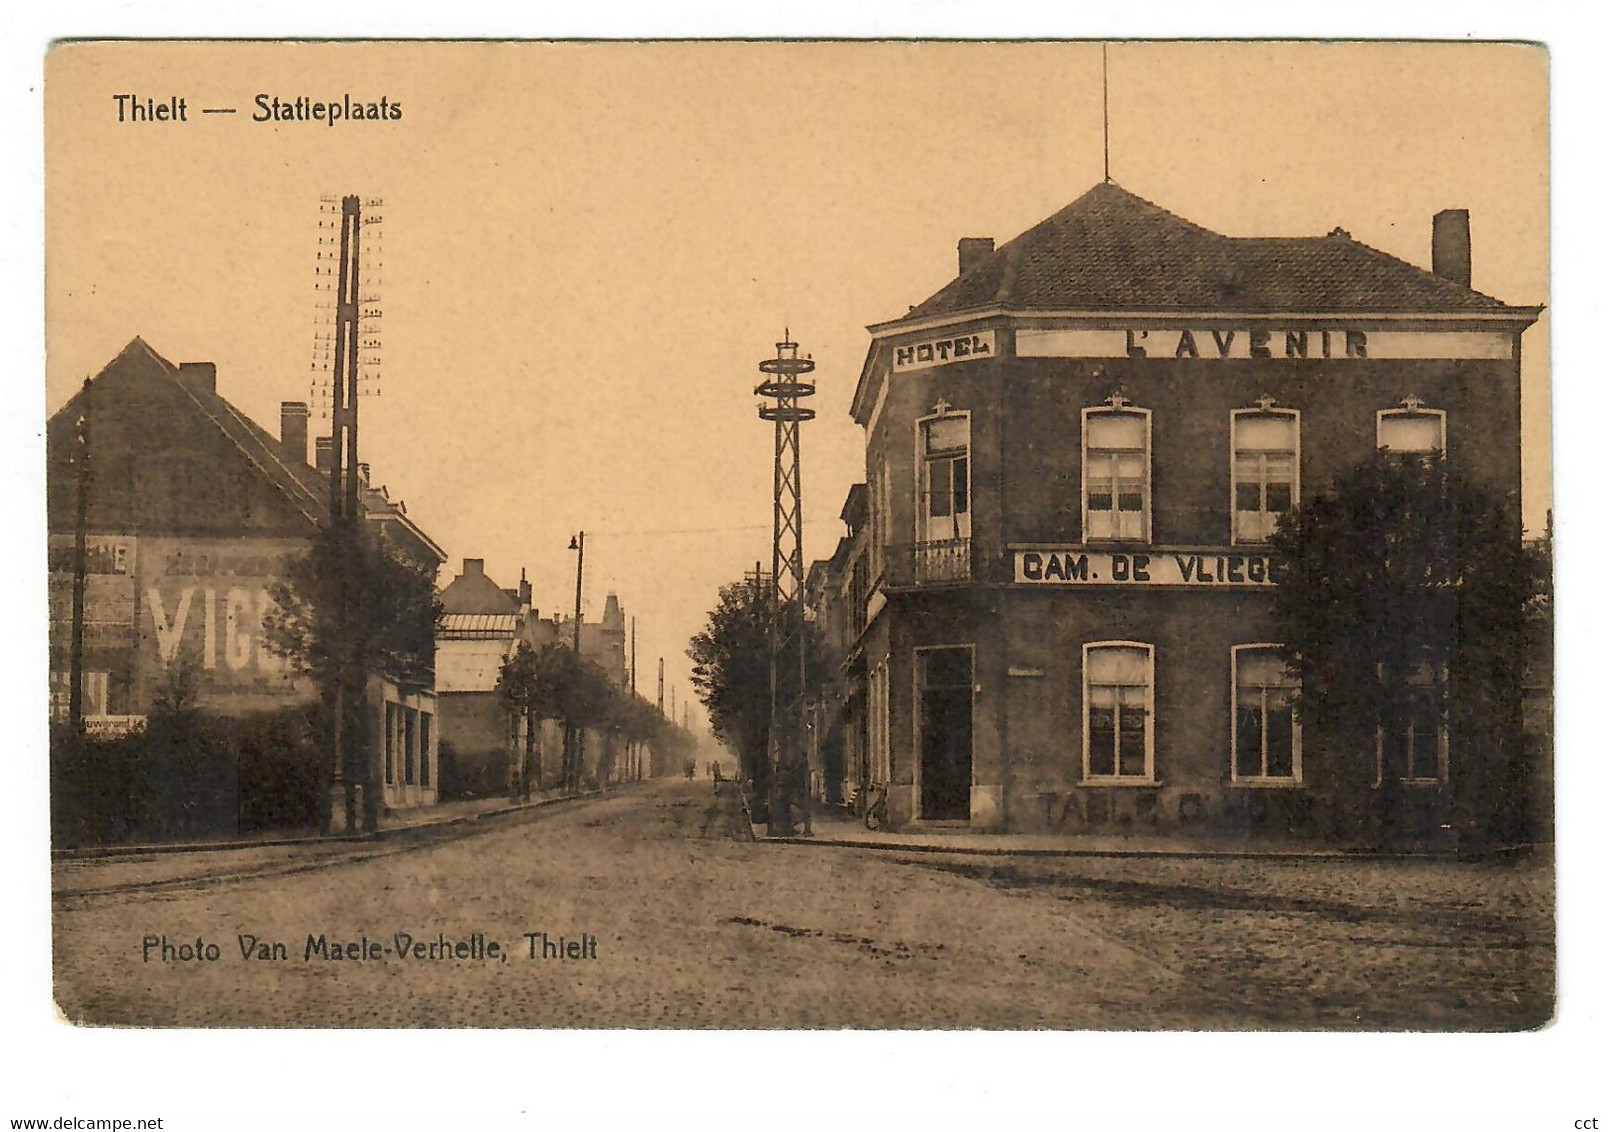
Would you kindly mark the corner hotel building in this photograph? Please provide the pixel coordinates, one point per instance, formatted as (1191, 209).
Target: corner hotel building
(1075, 453)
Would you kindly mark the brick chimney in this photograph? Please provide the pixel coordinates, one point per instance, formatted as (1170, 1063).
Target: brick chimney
(473, 567)
(324, 454)
(1451, 254)
(293, 429)
(524, 590)
(199, 375)
(973, 250)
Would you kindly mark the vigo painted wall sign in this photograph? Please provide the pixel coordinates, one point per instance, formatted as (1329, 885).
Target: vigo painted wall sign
(1207, 569)
(943, 351)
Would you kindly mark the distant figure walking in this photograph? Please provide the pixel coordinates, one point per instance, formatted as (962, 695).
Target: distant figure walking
(690, 768)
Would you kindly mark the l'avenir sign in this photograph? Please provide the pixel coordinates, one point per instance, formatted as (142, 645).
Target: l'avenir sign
(1204, 569)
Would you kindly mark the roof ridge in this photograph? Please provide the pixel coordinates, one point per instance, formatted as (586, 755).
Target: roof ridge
(1440, 280)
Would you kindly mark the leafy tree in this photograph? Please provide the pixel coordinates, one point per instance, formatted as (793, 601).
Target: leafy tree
(1405, 571)
(351, 592)
(347, 609)
(174, 703)
(731, 671)
(522, 694)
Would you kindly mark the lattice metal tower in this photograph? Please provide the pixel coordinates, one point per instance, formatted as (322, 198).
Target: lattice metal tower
(784, 384)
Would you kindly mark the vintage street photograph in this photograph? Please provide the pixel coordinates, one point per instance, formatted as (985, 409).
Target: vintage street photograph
(813, 535)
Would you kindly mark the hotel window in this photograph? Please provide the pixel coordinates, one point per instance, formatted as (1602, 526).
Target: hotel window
(945, 507)
(881, 502)
(424, 748)
(1118, 715)
(1116, 472)
(1266, 734)
(1412, 428)
(1266, 471)
(1417, 746)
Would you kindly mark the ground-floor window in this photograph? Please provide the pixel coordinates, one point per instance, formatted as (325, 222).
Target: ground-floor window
(1266, 735)
(1417, 746)
(409, 748)
(424, 748)
(1118, 711)
(390, 743)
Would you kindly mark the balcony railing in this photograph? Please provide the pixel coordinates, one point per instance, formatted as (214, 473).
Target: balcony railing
(929, 563)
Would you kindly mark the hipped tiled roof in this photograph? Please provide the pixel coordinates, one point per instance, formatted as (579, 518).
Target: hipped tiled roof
(1110, 250)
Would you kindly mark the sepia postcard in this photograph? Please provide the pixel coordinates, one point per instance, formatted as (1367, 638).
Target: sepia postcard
(799, 535)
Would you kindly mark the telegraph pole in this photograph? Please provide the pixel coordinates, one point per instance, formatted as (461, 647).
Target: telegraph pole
(634, 768)
(789, 772)
(573, 736)
(344, 766)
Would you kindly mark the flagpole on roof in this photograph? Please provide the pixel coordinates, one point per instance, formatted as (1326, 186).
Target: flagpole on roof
(1105, 109)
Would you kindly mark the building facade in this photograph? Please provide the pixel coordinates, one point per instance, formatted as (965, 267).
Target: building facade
(1075, 454)
(192, 513)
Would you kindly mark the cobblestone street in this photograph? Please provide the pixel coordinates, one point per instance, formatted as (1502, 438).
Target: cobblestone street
(694, 926)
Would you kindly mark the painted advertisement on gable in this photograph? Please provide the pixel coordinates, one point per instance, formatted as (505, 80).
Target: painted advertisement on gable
(208, 598)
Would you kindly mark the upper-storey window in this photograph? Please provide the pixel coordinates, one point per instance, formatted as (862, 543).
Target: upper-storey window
(1116, 471)
(881, 524)
(1266, 470)
(1412, 428)
(944, 513)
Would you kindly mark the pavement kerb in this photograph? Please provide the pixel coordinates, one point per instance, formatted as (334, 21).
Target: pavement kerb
(1141, 852)
(98, 852)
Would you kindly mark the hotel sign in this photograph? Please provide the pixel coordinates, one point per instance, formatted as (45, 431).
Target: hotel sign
(1210, 569)
(1214, 343)
(943, 351)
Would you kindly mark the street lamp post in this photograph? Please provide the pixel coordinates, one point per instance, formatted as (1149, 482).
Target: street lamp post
(572, 734)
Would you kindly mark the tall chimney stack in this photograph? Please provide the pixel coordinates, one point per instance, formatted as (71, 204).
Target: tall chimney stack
(199, 375)
(293, 429)
(973, 250)
(324, 454)
(524, 589)
(1451, 254)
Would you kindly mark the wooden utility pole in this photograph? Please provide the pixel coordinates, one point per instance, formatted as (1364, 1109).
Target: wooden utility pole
(344, 762)
(75, 660)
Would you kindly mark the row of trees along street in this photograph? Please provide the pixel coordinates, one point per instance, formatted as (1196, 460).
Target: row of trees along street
(1404, 573)
(555, 683)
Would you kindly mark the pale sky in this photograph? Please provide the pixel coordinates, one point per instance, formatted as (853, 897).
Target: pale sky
(589, 247)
